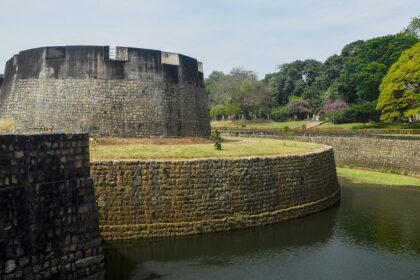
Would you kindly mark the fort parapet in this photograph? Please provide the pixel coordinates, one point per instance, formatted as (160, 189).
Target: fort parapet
(122, 92)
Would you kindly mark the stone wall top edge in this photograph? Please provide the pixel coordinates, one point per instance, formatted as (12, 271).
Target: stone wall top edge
(103, 63)
(52, 134)
(321, 134)
(320, 150)
(101, 46)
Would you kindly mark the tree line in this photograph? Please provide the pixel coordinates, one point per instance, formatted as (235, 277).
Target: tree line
(369, 80)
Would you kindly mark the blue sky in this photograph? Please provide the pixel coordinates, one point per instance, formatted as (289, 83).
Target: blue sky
(255, 34)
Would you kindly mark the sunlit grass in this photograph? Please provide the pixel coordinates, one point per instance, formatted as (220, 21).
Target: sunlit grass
(6, 125)
(370, 125)
(258, 124)
(233, 147)
(379, 178)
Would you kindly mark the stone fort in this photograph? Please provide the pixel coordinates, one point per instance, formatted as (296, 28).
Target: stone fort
(126, 92)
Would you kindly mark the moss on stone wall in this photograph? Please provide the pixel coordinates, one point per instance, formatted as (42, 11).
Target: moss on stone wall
(154, 198)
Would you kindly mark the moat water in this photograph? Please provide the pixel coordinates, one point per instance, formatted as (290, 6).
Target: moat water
(373, 234)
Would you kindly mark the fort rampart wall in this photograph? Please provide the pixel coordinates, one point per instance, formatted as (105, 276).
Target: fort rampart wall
(388, 153)
(48, 213)
(155, 198)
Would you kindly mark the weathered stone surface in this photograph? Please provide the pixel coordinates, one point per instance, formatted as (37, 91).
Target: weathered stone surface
(78, 88)
(48, 214)
(10, 266)
(152, 198)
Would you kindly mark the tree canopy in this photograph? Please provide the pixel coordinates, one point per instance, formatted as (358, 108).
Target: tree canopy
(356, 76)
(400, 88)
(237, 94)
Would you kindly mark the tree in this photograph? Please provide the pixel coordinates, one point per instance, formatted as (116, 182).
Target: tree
(331, 70)
(366, 63)
(413, 27)
(237, 93)
(218, 111)
(367, 79)
(361, 112)
(334, 106)
(299, 107)
(280, 113)
(299, 79)
(400, 88)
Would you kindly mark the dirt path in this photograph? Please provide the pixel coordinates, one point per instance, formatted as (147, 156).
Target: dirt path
(313, 124)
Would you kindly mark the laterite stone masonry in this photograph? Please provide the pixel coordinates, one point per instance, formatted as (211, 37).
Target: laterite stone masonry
(156, 198)
(48, 213)
(137, 93)
(400, 154)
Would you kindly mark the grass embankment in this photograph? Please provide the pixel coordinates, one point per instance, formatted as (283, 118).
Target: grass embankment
(269, 124)
(378, 178)
(258, 124)
(370, 126)
(231, 147)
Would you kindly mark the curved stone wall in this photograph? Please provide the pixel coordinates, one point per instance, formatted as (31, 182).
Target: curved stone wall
(154, 198)
(138, 92)
(399, 154)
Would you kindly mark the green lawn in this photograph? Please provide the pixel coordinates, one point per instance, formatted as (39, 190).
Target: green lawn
(258, 124)
(233, 147)
(370, 125)
(373, 177)
(328, 125)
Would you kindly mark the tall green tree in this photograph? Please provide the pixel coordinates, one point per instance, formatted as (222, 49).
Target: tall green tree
(413, 27)
(237, 93)
(331, 70)
(299, 79)
(400, 88)
(366, 63)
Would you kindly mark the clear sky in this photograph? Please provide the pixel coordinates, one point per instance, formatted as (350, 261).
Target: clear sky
(255, 34)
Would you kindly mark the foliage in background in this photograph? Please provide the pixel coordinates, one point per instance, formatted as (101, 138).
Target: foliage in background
(400, 88)
(302, 88)
(332, 107)
(414, 27)
(237, 94)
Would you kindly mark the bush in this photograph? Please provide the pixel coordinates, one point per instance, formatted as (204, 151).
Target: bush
(215, 135)
(280, 113)
(217, 111)
(361, 112)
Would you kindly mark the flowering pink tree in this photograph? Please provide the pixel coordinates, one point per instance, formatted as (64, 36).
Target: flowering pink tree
(335, 106)
(299, 106)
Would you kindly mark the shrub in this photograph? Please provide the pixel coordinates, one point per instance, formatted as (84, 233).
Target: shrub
(215, 135)
(280, 113)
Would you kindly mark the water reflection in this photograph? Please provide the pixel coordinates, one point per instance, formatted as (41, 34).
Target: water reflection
(374, 234)
(385, 219)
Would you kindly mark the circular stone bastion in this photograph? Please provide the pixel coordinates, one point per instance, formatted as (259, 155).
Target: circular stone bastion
(157, 198)
(122, 92)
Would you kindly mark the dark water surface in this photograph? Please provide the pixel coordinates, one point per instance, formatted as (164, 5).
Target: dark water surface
(373, 234)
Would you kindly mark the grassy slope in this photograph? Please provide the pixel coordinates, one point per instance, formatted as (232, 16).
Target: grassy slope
(373, 177)
(257, 124)
(298, 124)
(234, 147)
(371, 125)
